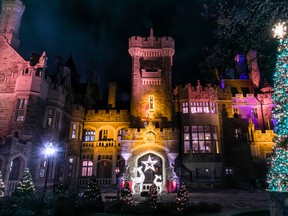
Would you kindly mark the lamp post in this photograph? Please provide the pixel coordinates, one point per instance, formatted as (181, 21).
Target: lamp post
(49, 151)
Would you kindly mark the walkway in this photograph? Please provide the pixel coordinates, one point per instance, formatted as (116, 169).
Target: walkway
(232, 201)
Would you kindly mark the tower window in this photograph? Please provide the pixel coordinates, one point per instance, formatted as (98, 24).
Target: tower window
(21, 108)
(151, 102)
(254, 113)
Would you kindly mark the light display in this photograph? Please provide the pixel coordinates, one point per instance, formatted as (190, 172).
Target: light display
(277, 177)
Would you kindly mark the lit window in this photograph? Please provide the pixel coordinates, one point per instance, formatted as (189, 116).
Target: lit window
(185, 107)
(202, 107)
(204, 139)
(21, 108)
(50, 115)
(89, 136)
(228, 171)
(186, 140)
(87, 168)
(254, 113)
(74, 131)
(237, 132)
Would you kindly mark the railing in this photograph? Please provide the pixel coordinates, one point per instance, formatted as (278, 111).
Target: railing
(11, 186)
(100, 181)
(104, 143)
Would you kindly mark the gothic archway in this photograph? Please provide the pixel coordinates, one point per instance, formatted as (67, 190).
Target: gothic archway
(153, 170)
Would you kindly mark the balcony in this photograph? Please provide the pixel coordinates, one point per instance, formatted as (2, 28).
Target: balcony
(103, 143)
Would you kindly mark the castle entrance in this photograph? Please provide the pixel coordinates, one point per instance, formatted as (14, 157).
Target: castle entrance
(149, 170)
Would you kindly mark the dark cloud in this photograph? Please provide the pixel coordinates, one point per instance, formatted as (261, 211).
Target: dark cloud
(96, 33)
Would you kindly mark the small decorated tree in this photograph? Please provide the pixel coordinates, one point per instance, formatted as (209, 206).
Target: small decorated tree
(61, 190)
(153, 199)
(126, 197)
(25, 186)
(92, 195)
(182, 199)
(2, 186)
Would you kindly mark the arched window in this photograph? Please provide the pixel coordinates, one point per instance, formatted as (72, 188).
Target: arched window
(15, 169)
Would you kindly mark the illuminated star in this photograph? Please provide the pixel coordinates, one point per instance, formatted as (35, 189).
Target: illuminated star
(149, 164)
(279, 30)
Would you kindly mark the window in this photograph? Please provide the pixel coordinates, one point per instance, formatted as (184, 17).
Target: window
(151, 102)
(42, 168)
(70, 166)
(89, 136)
(229, 171)
(254, 113)
(103, 135)
(186, 140)
(235, 110)
(185, 107)
(204, 139)
(74, 131)
(87, 168)
(50, 115)
(53, 115)
(202, 107)
(237, 132)
(57, 119)
(20, 109)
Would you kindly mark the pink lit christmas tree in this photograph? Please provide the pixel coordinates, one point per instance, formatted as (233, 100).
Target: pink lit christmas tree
(277, 177)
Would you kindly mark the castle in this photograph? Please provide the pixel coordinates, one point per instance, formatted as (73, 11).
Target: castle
(200, 134)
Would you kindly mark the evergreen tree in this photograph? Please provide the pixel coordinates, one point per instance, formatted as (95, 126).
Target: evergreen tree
(2, 186)
(92, 192)
(25, 186)
(277, 177)
(126, 197)
(61, 190)
(182, 199)
(153, 198)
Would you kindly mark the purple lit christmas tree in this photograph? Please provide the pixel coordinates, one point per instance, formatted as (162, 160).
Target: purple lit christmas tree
(277, 177)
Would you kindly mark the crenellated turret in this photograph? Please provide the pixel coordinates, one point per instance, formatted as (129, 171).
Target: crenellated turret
(151, 78)
(33, 79)
(10, 21)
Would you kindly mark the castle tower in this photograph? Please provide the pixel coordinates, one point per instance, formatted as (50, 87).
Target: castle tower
(151, 94)
(10, 20)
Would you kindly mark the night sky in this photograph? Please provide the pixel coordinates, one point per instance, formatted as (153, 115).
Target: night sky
(96, 32)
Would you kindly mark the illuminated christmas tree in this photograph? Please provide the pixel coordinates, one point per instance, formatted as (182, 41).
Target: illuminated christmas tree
(92, 192)
(126, 197)
(25, 186)
(153, 198)
(277, 177)
(2, 186)
(182, 199)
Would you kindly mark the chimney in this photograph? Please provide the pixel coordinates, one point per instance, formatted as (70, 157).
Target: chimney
(112, 94)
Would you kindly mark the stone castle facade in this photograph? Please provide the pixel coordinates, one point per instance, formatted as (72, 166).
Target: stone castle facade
(200, 134)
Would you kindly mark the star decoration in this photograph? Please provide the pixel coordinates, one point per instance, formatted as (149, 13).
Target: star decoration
(149, 164)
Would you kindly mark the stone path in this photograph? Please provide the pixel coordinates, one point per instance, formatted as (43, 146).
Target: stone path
(231, 200)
